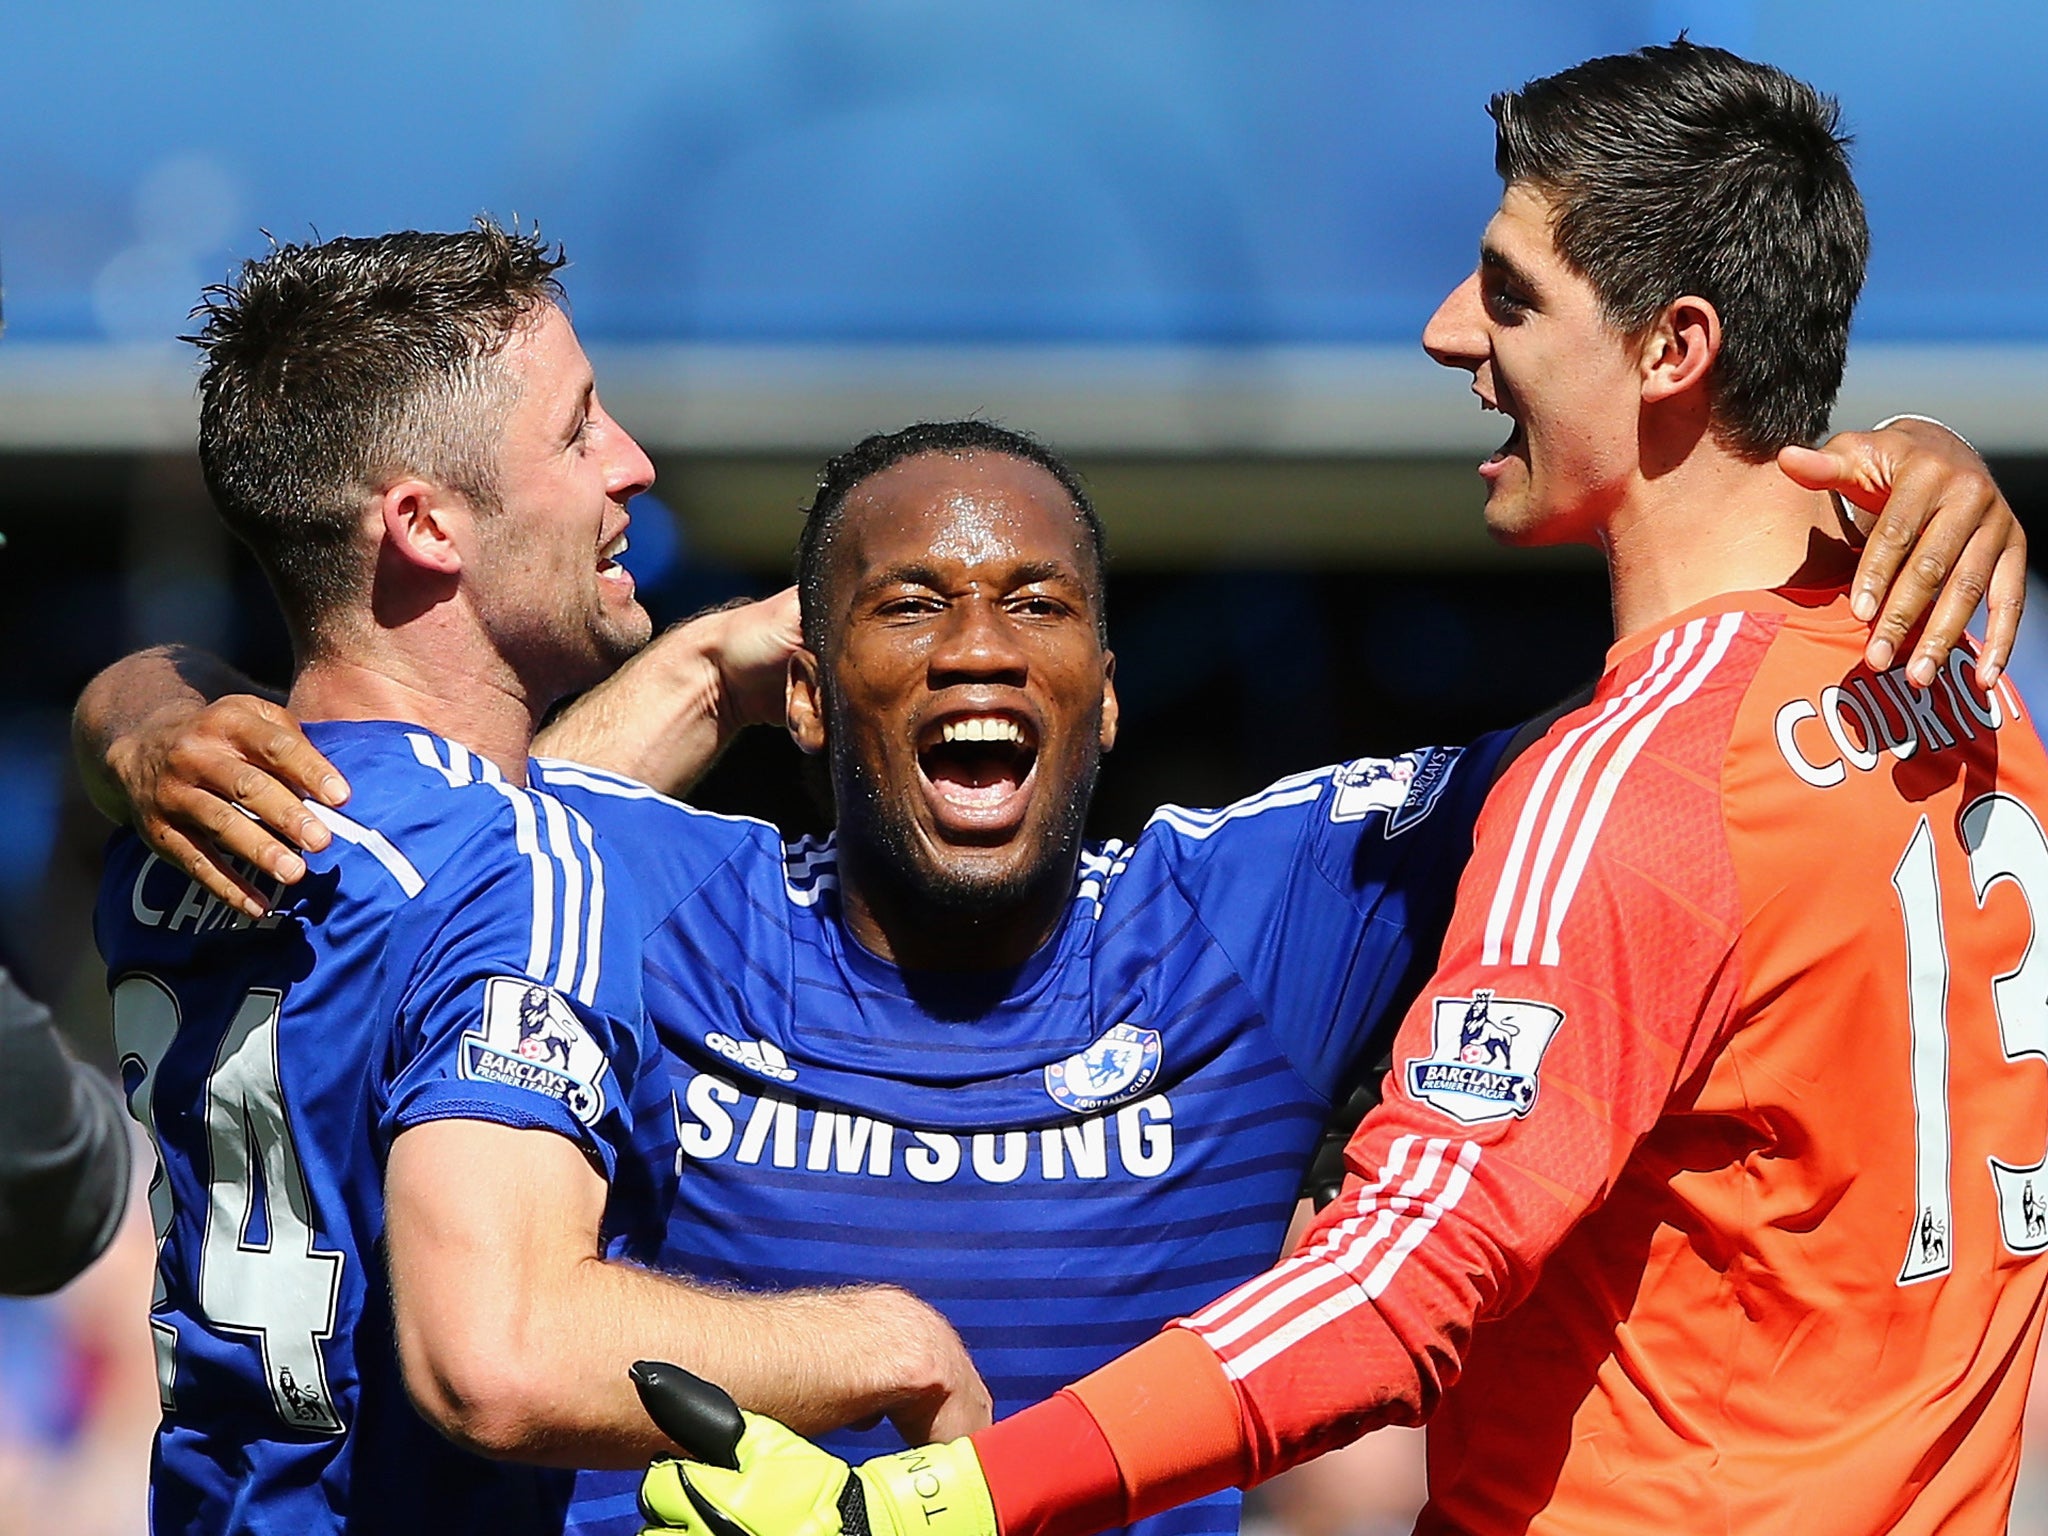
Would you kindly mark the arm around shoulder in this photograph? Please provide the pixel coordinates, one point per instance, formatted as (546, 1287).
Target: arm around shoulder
(664, 717)
(210, 770)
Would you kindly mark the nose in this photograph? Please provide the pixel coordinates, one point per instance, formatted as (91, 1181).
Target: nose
(1456, 333)
(628, 470)
(977, 644)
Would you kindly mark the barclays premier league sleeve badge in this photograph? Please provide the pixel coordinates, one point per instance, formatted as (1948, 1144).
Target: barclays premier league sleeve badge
(532, 1039)
(1483, 1058)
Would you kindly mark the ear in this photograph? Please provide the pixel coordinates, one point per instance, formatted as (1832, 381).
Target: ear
(803, 701)
(423, 525)
(1680, 348)
(1109, 704)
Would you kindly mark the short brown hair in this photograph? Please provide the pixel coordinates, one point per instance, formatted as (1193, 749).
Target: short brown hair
(333, 368)
(1685, 169)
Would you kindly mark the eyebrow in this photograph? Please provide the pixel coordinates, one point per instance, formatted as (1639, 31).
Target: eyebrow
(921, 573)
(1491, 255)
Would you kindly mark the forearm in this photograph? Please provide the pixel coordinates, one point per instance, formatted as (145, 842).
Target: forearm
(664, 717)
(124, 697)
(817, 1360)
(515, 1336)
(656, 719)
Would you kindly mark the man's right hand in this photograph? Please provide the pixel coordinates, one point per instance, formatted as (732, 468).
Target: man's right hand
(219, 788)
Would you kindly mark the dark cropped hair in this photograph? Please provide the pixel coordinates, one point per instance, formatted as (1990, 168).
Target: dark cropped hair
(333, 368)
(846, 472)
(1685, 169)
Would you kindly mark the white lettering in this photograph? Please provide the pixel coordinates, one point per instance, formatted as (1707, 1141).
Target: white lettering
(1919, 707)
(196, 903)
(1144, 1137)
(845, 1140)
(1084, 1143)
(1962, 687)
(1005, 1169)
(1900, 745)
(710, 1124)
(148, 916)
(769, 1115)
(935, 1158)
(1834, 703)
(2005, 690)
(711, 1132)
(1819, 775)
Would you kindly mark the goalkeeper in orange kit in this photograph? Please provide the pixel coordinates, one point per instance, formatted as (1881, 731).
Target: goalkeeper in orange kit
(1709, 1183)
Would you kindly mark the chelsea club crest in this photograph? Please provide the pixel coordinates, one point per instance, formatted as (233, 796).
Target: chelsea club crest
(1119, 1066)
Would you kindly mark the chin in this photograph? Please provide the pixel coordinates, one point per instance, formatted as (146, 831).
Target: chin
(621, 636)
(979, 882)
(1518, 522)
(975, 888)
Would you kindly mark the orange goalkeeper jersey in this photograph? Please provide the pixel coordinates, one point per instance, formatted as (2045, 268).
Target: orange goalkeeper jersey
(1711, 1163)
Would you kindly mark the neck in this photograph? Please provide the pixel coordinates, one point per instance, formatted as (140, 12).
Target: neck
(465, 693)
(1714, 523)
(891, 919)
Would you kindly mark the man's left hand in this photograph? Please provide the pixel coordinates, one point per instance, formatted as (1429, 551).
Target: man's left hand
(1943, 536)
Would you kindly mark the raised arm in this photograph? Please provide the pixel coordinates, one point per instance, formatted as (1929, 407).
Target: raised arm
(664, 716)
(213, 772)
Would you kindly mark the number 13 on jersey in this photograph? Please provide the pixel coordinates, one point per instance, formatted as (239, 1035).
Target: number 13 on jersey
(2003, 842)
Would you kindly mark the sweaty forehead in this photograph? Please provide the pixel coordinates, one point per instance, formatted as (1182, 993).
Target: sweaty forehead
(981, 512)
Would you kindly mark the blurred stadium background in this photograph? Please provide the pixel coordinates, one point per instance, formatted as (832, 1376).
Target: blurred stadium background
(1190, 242)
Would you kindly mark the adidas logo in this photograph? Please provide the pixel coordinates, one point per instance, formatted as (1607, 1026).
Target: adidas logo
(757, 1056)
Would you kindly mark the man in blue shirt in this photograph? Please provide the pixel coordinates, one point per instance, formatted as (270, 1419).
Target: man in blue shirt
(1063, 1091)
(410, 1116)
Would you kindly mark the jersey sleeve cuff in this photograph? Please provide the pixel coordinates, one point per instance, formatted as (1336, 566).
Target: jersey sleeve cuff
(1050, 1472)
(452, 1099)
(1171, 1419)
(1152, 1429)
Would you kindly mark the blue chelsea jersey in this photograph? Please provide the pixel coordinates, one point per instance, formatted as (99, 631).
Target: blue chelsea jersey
(1060, 1157)
(464, 949)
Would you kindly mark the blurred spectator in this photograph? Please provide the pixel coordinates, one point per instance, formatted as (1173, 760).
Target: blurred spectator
(1371, 1488)
(78, 1398)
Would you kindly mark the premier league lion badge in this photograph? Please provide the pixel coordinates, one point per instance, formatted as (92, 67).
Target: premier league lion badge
(1484, 1056)
(1406, 788)
(1119, 1066)
(532, 1039)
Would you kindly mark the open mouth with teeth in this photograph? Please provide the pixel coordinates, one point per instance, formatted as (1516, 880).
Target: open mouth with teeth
(608, 565)
(978, 769)
(1514, 444)
(1517, 440)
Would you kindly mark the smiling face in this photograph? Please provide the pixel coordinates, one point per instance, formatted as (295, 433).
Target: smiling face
(550, 587)
(1533, 336)
(962, 690)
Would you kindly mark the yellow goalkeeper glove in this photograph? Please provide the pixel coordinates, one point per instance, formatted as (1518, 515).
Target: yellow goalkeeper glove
(776, 1483)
